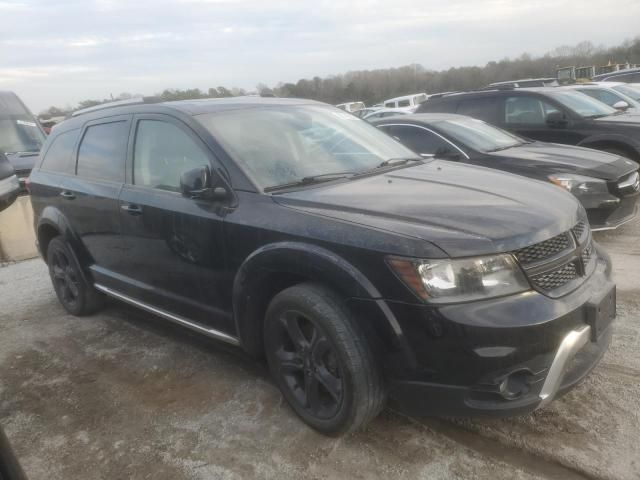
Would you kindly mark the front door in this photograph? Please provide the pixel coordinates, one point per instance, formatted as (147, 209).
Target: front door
(173, 252)
(527, 116)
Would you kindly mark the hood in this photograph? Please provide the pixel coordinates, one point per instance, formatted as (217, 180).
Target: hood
(548, 158)
(462, 209)
(631, 118)
(23, 161)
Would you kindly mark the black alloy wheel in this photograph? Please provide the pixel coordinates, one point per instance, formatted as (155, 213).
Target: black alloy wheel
(321, 360)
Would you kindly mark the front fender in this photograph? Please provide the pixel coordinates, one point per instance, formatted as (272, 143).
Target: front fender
(310, 263)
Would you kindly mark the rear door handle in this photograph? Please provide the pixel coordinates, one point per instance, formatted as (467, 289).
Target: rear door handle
(132, 209)
(67, 194)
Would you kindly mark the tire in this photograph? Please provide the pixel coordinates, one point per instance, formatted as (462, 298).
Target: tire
(321, 361)
(75, 294)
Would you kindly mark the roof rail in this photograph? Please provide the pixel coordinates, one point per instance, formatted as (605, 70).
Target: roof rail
(117, 103)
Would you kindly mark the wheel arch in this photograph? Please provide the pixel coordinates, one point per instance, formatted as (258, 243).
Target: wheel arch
(274, 267)
(601, 142)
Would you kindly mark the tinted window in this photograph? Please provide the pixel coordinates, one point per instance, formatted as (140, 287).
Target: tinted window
(59, 157)
(418, 139)
(390, 104)
(482, 108)
(163, 152)
(603, 95)
(527, 110)
(404, 103)
(103, 151)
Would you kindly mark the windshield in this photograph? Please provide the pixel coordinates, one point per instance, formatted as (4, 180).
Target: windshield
(628, 91)
(583, 105)
(19, 133)
(282, 145)
(478, 135)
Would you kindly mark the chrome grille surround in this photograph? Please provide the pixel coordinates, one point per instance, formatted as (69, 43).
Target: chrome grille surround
(559, 265)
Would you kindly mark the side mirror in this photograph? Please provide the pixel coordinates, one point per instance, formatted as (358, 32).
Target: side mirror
(556, 119)
(201, 182)
(621, 105)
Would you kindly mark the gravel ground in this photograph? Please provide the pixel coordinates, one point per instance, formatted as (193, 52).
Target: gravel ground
(123, 395)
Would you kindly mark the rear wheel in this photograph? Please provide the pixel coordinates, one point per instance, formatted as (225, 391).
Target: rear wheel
(75, 294)
(321, 361)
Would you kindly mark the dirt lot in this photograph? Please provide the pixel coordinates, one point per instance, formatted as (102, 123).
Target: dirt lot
(123, 395)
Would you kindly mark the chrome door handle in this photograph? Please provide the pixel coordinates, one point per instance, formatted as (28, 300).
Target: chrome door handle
(67, 194)
(132, 209)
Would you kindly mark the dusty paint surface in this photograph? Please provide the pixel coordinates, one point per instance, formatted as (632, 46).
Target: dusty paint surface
(122, 395)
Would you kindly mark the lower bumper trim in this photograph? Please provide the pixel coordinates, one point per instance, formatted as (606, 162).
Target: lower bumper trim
(569, 347)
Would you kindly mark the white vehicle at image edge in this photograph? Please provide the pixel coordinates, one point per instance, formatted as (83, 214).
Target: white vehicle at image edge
(351, 107)
(409, 102)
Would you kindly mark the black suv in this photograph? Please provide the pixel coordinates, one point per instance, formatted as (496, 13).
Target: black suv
(299, 232)
(548, 114)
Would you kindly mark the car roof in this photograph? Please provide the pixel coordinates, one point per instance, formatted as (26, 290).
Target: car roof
(185, 107)
(404, 97)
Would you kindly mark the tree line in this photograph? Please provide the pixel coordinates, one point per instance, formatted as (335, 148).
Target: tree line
(374, 86)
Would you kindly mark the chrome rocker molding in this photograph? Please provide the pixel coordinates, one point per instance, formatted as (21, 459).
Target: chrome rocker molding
(209, 332)
(571, 344)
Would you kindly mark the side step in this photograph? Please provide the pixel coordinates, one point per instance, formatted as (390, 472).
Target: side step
(197, 327)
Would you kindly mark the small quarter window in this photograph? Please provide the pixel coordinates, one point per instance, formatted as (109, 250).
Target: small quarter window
(103, 150)
(163, 152)
(59, 156)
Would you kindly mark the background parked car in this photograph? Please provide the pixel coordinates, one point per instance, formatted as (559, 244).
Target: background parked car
(629, 89)
(351, 107)
(524, 83)
(385, 112)
(549, 115)
(608, 95)
(608, 186)
(21, 136)
(630, 75)
(9, 467)
(9, 185)
(410, 102)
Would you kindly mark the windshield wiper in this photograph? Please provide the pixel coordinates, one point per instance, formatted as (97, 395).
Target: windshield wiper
(394, 162)
(310, 180)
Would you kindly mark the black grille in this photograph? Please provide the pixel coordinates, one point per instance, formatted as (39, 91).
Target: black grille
(556, 278)
(544, 250)
(580, 229)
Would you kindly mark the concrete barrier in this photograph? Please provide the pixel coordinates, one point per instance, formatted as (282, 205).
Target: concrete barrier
(17, 238)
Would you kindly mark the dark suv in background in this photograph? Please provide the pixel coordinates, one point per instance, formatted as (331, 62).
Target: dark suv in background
(301, 233)
(549, 115)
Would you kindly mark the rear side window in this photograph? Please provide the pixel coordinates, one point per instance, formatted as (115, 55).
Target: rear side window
(390, 104)
(103, 150)
(59, 156)
(419, 140)
(163, 152)
(481, 108)
(404, 103)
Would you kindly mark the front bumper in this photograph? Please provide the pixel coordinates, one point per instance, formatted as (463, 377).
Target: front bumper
(612, 212)
(498, 357)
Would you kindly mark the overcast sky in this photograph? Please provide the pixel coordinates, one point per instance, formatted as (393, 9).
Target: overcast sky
(61, 52)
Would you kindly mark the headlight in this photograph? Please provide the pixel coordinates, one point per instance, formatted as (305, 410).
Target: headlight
(461, 280)
(579, 184)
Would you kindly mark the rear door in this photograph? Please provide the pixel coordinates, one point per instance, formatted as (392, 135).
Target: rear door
(173, 252)
(89, 198)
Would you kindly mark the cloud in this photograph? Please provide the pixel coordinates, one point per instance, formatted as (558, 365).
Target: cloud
(77, 49)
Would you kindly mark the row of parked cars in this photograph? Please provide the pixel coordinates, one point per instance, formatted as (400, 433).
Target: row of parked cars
(418, 261)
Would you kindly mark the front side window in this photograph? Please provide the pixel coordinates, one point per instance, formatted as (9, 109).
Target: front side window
(162, 153)
(103, 151)
(603, 95)
(527, 110)
(418, 139)
(277, 146)
(59, 157)
(583, 105)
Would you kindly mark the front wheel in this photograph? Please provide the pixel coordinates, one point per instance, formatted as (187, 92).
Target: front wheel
(75, 294)
(321, 361)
